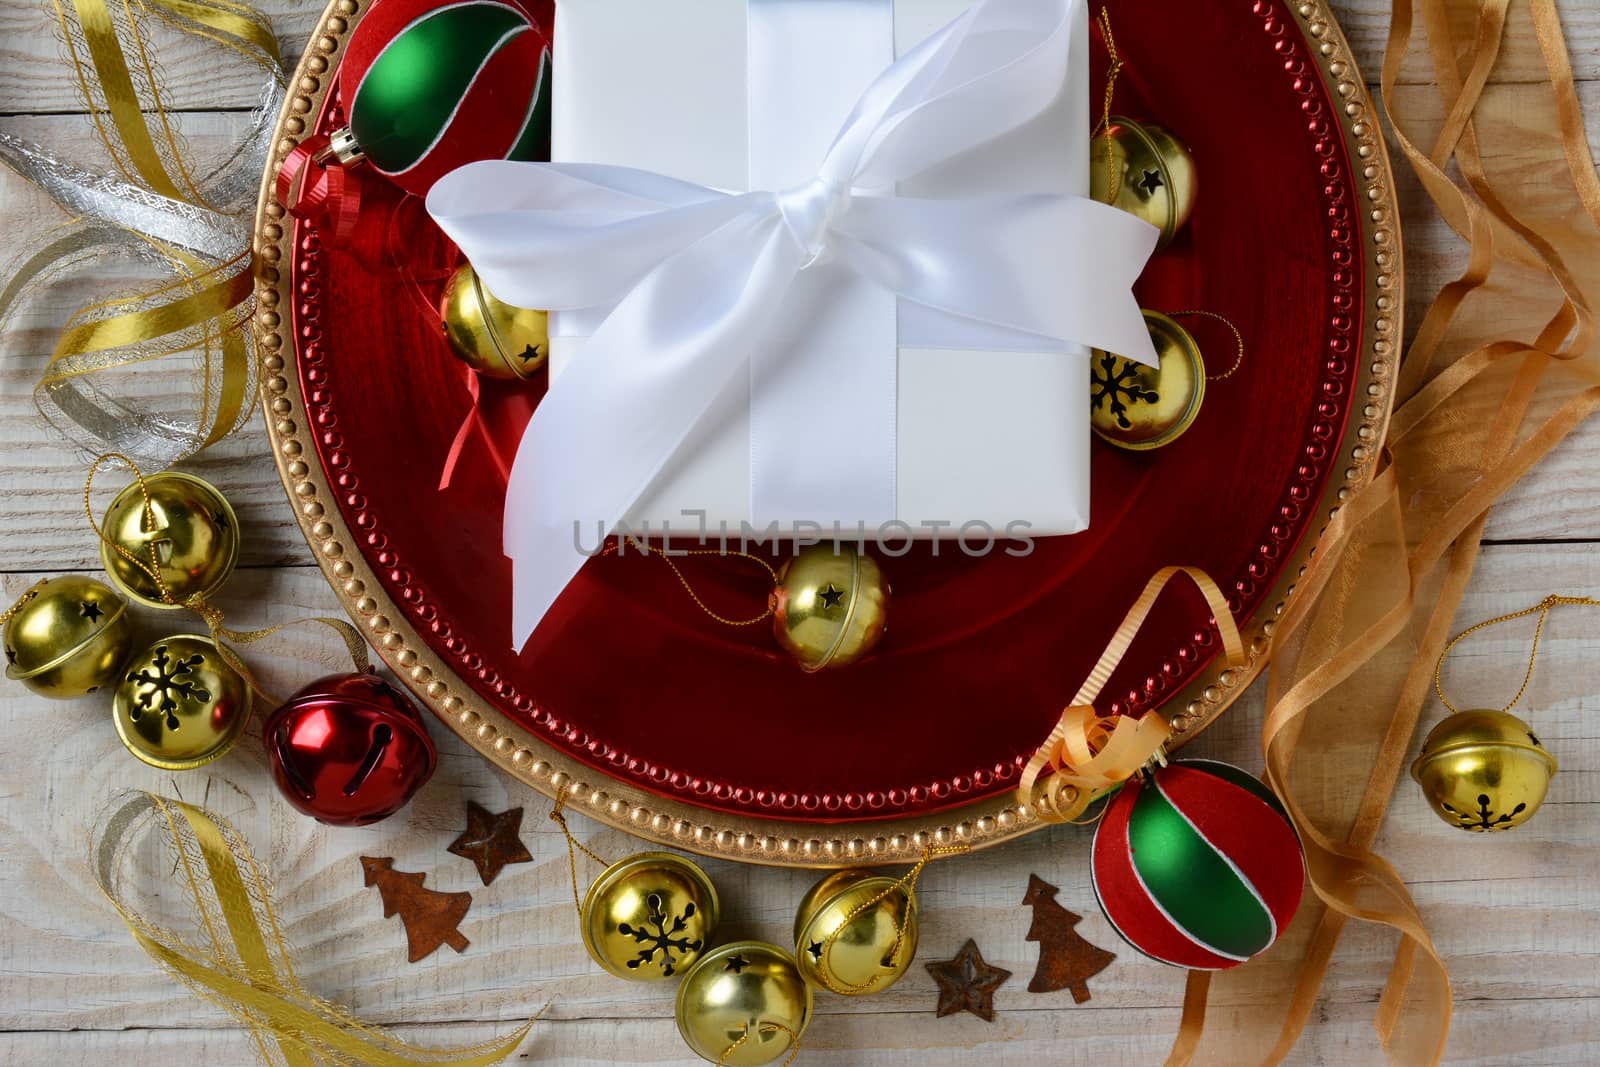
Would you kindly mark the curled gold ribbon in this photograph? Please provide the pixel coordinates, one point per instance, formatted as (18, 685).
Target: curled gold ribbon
(1085, 756)
(160, 211)
(238, 960)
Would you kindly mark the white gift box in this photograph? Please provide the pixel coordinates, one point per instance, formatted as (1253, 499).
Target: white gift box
(999, 437)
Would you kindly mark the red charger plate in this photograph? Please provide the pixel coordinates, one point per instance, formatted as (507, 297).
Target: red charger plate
(654, 718)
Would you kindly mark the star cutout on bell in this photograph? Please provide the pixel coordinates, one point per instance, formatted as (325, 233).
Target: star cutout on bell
(90, 610)
(737, 964)
(815, 949)
(529, 353)
(831, 597)
(967, 983)
(491, 841)
(1151, 181)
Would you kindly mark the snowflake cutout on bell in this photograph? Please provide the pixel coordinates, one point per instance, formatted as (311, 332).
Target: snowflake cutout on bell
(1485, 770)
(1139, 408)
(67, 637)
(649, 917)
(180, 704)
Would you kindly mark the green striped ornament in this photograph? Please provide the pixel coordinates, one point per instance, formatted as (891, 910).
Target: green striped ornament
(1198, 865)
(432, 87)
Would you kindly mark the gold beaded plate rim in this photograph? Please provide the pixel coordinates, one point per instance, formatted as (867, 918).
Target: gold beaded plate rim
(748, 838)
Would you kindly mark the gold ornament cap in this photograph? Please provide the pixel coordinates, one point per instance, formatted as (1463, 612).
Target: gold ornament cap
(179, 704)
(1145, 171)
(830, 607)
(871, 922)
(743, 1004)
(1483, 770)
(1141, 408)
(492, 337)
(649, 917)
(68, 637)
(195, 535)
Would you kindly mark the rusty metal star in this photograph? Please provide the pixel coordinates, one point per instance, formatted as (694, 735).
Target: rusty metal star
(491, 841)
(967, 983)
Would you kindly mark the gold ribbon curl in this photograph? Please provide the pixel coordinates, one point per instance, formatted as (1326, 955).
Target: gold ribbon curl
(238, 960)
(1087, 756)
(158, 210)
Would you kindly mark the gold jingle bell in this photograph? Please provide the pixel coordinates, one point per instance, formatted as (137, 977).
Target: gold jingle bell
(179, 704)
(830, 607)
(1145, 171)
(1484, 770)
(195, 535)
(489, 335)
(1141, 408)
(743, 1004)
(855, 932)
(649, 916)
(67, 637)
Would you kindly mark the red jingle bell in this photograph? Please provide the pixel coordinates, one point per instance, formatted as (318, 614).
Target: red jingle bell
(349, 749)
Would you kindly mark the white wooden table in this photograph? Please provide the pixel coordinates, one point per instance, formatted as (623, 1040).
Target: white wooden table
(1517, 916)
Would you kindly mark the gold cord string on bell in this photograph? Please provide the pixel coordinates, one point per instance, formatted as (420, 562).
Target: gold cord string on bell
(1113, 175)
(906, 883)
(1237, 336)
(765, 1028)
(1542, 609)
(354, 643)
(574, 846)
(22, 601)
(666, 558)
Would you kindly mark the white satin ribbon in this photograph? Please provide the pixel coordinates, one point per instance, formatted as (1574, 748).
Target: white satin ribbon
(697, 277)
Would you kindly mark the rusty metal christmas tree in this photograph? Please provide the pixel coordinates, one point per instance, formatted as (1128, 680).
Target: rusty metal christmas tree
(430, 917)
(1066, 960)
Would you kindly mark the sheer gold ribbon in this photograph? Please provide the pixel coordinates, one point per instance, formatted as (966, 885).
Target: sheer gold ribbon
(238, 960)
(1086, 756)
(1477, 406)
(158, 212)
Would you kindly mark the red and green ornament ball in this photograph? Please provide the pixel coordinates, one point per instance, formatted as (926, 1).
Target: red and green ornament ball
(432, 86)
(1198, 865)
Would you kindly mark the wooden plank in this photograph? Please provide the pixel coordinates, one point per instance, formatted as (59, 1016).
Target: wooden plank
(1550, 1033)
(34, 79)
(1517, 915)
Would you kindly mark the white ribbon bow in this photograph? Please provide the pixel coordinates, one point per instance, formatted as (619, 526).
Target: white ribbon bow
(694, 274)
